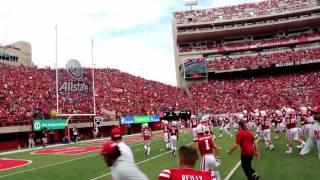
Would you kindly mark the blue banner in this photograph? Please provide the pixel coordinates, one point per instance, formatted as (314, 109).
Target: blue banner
(155, 118)
(127, 120)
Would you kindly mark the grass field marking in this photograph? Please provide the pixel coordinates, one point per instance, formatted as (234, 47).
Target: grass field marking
(233, 170)
(49, 165)
(154, 157)
(58, 145)
(28, 162)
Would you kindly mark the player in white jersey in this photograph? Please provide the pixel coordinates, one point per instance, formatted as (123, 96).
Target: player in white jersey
(165, 130)
(314, 138)
(292, 130)
(225, 127)
(174, 134)
(265, 129)
(305, 123)
(194, 123)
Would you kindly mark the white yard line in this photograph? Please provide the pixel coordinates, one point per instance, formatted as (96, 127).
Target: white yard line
(233, 170)
(154, 157)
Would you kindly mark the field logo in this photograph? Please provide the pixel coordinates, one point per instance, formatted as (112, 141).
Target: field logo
(74, 69)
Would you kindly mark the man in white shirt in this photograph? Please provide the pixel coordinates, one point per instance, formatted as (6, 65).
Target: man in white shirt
(314, 137)
(121, 167)
(125, 150)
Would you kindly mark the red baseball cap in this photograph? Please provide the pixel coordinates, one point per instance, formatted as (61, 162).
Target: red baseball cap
(116, 132)
(108, 148)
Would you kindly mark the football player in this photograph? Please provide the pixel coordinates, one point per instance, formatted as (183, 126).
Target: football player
(265, 129)
(314, 137)
(165, 130)
(174, 134)
(147, 136)
(292, 130)
(206, 146)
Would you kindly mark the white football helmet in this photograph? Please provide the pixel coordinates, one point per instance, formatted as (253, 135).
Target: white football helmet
(245, 112)
(240, 116)
(145, 125)
(174, 123)
(193, 116)
(201, 128)
(263, 113)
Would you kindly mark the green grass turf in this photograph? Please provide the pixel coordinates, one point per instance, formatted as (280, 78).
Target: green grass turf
(272, 165)
(277, 165)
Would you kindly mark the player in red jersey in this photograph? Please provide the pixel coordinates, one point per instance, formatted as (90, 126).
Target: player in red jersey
(174, 134)
(206, 145)
(292, 130)
(165, 130)
(265, 130)
(147, 136)
(188, 157)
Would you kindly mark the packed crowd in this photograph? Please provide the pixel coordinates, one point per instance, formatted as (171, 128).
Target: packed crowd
(263, 59)
(247, 10)
(269, 92)
(248, 44)
(30, 92)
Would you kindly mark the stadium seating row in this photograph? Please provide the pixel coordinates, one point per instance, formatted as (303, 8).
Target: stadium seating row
(268, 7)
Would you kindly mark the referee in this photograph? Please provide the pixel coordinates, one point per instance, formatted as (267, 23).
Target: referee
(249, 148)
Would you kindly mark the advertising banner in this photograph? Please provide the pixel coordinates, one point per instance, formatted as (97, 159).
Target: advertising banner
(51, 124)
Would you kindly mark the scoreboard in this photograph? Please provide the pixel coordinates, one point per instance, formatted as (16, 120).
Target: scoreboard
(195, 67)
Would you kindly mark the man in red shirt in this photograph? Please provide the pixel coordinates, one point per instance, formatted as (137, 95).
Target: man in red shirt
(249, 148)
(188, 157)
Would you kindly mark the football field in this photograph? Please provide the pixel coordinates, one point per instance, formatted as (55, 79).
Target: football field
(80, 161)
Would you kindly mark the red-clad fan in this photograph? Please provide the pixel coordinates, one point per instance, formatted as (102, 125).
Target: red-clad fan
(165, 130)
(265, 129)
(292, 130)
(147, 136)
(174, 134)
(206, 147)
(194, 124)
(188, 157)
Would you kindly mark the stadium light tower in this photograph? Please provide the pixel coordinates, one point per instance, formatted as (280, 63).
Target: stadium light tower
(190, 3)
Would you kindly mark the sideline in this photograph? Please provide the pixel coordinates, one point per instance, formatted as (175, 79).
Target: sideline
(59, 145)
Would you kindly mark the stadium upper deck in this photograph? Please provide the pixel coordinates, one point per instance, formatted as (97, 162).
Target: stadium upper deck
(255, 27)
(249, 10)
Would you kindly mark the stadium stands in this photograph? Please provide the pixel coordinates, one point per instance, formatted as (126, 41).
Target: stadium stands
(30, 92)
(264, 60)
(270, 7)
(268, 92)
(249, 44)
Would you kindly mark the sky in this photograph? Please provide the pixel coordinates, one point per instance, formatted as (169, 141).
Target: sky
(134, 36)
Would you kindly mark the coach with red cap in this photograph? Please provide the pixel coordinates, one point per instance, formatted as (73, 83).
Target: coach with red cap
(314, 137)
(116, 136)
(121, 167)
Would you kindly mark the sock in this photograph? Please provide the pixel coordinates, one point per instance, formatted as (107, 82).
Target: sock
(148, 151)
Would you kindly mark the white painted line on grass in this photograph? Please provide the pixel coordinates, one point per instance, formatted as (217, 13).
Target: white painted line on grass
(136, 149)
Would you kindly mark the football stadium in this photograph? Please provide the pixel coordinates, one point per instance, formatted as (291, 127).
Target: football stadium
(246, 103)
